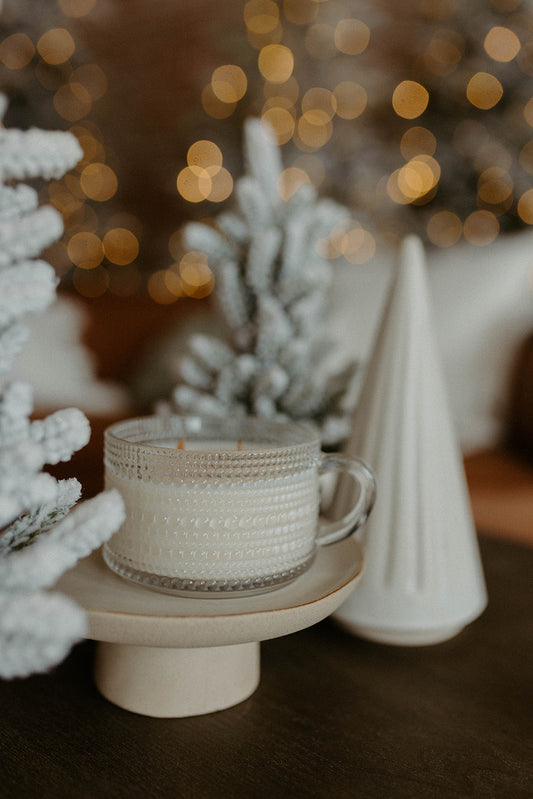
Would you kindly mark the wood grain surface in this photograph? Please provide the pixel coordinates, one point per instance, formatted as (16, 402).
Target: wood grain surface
(334, 717)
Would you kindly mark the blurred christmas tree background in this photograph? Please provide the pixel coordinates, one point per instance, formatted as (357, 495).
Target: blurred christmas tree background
(418, 116)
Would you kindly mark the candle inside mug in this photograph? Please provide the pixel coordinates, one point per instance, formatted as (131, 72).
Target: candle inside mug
(219, 505)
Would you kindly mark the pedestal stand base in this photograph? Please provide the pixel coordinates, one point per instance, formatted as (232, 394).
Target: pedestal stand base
(171, 682)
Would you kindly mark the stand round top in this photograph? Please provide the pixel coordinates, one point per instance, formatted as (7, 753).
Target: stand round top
(120, 612)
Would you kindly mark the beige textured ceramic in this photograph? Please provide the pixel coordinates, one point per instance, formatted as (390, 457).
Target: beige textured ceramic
(166, 656)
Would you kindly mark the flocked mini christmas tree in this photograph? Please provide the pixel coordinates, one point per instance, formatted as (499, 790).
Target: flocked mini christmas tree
(271, 289)
(38, 540)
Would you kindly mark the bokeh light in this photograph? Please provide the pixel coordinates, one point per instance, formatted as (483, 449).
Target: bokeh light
(229, 83)
(76, 8)
(502, 44)
(120, 246)
(417, 141)
(213, 106)
(72, 101)
(16, 51)
(525, 207)
(85, 250)
(444, 229)
(481, 228)
(290, 181)
(276, 63)
(484, 90)
(56, 46)
(410, 99)
(197, 279)
(99, 182)
(350, 98)
(164, 286)
(300, 12)
(358, 245)
(351, 36)
(526, 157)
(261, 16)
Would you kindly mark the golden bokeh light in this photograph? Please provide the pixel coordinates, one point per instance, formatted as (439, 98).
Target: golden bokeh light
(393, 190)
(320, 41)
(16, 51)
(98, 182)
(205, 154)
(92, 78)
(417, 141)
(93, 150)
(351, 36)
(72, 101)
(358, 245)
(229, 83)
(276, 63)
(351, 99)
(261, 16)
(481, 228)
(319, 106)
(502, 44)
(484, 90)
(525, 207)
(91, 283)
(85, 250)
(526, 157)
(310, 136)
(194, 184)
(444, 229)
(56, 46)
(76, 8)
(63, 198)
(300, 12)
(214, 107)
(494, 186)
(528, 112)
(196, 278)
(417, 177)
(158, 286)
(290, 181)
(281, 121)
(221, 186)
(120, 246)
(410, 99)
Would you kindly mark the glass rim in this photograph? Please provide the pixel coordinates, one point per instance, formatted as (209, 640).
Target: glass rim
(284, 435)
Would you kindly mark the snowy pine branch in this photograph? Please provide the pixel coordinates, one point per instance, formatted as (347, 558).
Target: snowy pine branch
(270, 289)
(40, 537)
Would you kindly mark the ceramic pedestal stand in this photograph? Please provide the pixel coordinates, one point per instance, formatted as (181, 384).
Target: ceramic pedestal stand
(167, 656)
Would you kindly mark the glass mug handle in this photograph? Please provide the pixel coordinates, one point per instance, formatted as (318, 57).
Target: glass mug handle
(329, 532)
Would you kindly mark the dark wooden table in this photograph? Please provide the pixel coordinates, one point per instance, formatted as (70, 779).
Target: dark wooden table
(334, 716)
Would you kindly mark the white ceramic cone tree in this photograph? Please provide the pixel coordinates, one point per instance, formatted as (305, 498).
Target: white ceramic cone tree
(423, 580)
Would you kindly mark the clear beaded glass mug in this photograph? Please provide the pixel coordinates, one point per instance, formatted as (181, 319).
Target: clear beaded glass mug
(222, 507)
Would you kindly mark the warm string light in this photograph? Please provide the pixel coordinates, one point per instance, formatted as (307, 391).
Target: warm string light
(311, 59)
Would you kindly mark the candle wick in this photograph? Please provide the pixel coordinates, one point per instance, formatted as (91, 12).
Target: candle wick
(239, 444)
(181, 443)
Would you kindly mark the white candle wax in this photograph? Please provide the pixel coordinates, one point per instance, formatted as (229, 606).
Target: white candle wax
(216, 529)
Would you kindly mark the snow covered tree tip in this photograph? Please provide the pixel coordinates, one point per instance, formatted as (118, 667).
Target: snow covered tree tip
(271, 289)
(39, 538)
